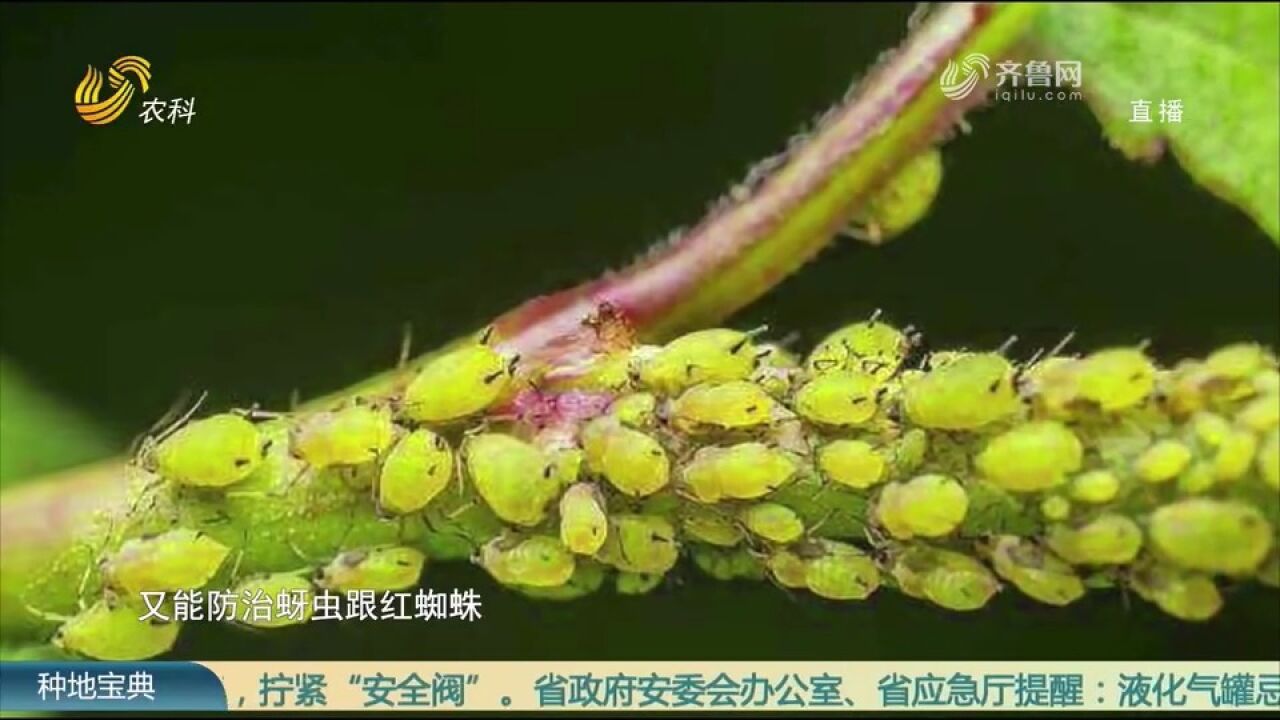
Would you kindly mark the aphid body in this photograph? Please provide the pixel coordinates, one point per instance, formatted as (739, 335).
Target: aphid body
(1035, 571)
(1031, 457)
(930, 505)
(417, 469)
(180, 559)
(631, 460)
(515, 478)
(852, 463)
(966, 393)
(458, 384)
(349, 436)
(536, 561)
(743, 472)
(381, 569)
(106, 631)
(1216, 536)
(215, 451)
(707, 356)
(737, 405)
(841, 398)
(583, 523)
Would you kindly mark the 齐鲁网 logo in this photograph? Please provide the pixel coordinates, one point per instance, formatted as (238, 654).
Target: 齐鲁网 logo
(975, 67)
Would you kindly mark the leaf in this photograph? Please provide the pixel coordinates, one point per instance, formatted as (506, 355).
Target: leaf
(1221, 60)
(40, 434)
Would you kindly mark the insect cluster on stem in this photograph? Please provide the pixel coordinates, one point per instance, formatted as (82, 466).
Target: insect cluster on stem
(867, 463)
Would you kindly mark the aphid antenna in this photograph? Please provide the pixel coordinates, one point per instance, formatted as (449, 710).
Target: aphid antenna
(406, 345)
(1063, 343)
(46, 615)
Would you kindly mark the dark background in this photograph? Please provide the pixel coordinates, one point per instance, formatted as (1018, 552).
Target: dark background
(352, 168)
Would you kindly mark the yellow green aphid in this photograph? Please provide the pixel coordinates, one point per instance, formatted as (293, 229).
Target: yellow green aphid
(871, 347)
(706, 356)
(382, 569)
(635, 409)
(1210, 428)
(726, 565)
(515, 478)
(1162, 461)
(180, 559)
(901, 203)
(948, 579)
(583, 523)
(1269, 572)
(1095, 487)
(1032, 457)
(353, 435)
(787, 568)
(106, 631)
(457, 384)
(535, 561)
(1234, 455)
(1035, 571)
(841, 572)
(773, 522)
(416, 470)
(710, 526)
(1184, 595)
(1109, 539)
(1115, 379)
(1052, 385)
(631, 583)
(1198, 478)
(632, 461)
(641, 544)
(927, 506)
(212, 452)
(1055, 507)
(1269, 459)
(838, 399)
(966, 393)
(1261, 414)
(744, 471)
(1237, 362)
(737, 405)
(566, 463)
(852, 463)
(273, 587)
(1217, 536)
(776, 370)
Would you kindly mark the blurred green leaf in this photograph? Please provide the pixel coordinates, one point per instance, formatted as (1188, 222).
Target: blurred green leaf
(1221, 61)
(39, 433)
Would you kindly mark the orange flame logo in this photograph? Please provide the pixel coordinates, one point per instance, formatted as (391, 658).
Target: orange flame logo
(96, 112)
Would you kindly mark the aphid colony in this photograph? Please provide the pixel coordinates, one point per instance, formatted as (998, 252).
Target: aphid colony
(865, 463)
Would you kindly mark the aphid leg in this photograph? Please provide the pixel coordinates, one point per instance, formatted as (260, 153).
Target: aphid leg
(818, 525)
(45, 615)
(457, 512)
